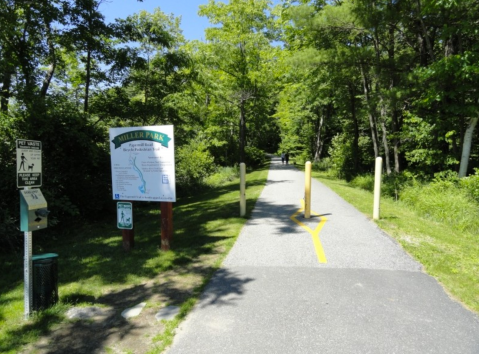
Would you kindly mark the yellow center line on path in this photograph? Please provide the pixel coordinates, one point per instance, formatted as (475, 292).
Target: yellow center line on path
(314, 233)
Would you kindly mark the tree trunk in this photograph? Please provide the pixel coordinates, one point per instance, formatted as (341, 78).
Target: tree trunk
(372, 119)
(318, 146)
(5, 93)
(48, 79)
(424, 32)
(466, 147)
(396, 142)
(51, 68)
(355, 147)
(387, 163)
(87, 80)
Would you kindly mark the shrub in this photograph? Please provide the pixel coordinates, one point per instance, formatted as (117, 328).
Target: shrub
(443, 201)
(365, 182)
(193, 164)
(393, 184)
(254, 157)
(300, 157)
(322, 166)
(471, 185)
(222, 175)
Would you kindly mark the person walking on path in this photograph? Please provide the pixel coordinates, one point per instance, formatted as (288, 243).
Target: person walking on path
(286, 157)
(282, 157)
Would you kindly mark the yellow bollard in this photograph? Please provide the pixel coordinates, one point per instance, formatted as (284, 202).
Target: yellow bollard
(377, 187)
(307, 190)
(242, 189)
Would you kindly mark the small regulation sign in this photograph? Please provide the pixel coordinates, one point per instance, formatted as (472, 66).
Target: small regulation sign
(124, 215)
(29, 163)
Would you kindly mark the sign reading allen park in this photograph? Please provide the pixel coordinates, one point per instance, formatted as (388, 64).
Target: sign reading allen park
(143, 163)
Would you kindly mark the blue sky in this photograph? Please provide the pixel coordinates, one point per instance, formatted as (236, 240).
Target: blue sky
(192, 25)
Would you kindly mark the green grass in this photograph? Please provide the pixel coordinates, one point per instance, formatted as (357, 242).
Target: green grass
(447, 253)
(92, 261)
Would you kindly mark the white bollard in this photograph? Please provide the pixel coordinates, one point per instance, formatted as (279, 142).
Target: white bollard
(377, 187)
(307, 190)
(242, 189)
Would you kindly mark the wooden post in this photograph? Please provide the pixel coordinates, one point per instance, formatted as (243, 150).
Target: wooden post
(128, 236)
(166, 209)
(128, 239)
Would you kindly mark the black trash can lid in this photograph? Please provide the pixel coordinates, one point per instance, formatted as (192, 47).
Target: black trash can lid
(38, 257)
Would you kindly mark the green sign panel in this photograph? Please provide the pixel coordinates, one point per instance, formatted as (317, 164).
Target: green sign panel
(137, 135)
(124, 215)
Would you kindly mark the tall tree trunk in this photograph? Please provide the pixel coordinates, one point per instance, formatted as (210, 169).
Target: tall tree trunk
(5, 93)
(51, 68)
(466, 147)
(424, 31)
(372, 118)
(396, 141)
(318, 146)
(47, 80)
(355, 147)
(393, 78)
(387, 162)
(87, 80)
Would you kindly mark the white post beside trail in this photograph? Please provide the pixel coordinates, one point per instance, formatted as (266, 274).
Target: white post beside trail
(377, 187)
(242, 189)
(307, 190)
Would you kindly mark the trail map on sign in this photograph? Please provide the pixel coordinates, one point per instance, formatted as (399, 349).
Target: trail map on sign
(143, 163)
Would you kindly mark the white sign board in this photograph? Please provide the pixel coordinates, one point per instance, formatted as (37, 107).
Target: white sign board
(124, 211)
(29, 163)
(143, 163)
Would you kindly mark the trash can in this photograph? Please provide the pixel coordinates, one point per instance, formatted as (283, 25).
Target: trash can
(45, 280)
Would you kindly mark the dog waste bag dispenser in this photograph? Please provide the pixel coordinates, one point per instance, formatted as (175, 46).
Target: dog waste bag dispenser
(33, 210)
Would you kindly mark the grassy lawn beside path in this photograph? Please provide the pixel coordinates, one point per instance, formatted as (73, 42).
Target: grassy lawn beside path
(451, 256)
(95, 270)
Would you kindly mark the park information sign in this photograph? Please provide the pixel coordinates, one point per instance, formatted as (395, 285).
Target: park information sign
(124, 211)
(143, 163)
(29, 163)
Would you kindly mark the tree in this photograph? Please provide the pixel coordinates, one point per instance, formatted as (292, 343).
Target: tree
(242, 56)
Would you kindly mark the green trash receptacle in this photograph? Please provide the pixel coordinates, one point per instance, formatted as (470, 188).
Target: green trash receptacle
(45, 280)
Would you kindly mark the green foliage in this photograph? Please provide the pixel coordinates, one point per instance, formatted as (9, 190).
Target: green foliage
(394, 183)
(471, 185)
(221, 176)
(300, 157)
(254, 157)
(322, 166)
(193, 164)
(340, 153)
(444, 201)
(9, 202)
(365, 182)
(391, 185)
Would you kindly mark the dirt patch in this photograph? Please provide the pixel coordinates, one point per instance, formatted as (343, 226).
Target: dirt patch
(108, 332)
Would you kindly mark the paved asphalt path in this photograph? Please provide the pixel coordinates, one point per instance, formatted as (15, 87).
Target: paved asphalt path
(272, 294)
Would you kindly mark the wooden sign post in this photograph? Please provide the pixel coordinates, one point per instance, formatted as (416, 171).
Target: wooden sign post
(166, 209)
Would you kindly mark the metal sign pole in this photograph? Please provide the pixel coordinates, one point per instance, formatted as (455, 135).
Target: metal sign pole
(27, 266)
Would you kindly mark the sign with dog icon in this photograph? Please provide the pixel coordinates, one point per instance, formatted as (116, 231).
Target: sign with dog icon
(124, 215)
(29, 163)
